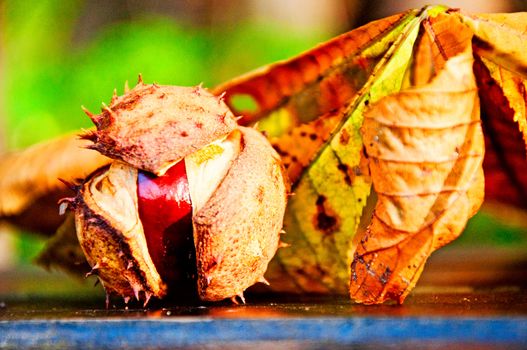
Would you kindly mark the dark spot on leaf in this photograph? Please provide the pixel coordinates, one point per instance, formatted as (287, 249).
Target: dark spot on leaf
(303, 134)
(344, 169)
(320, 270)
(301, 272)
(385, 277)
(344, 137)
(357, 171)
(325, 220)
(313, 136)
(184, 134)
(482, 45)
(280, 151)
(365, 153)
(199, 125)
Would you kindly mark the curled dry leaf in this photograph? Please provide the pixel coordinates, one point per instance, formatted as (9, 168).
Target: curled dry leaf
(425, 148)
(501, 72)
(441, 36)
(30, 185)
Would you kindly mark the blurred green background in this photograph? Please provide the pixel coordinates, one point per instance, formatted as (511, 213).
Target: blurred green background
(58, 55)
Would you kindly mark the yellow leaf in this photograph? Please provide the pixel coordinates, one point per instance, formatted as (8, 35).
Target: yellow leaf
(323, 215)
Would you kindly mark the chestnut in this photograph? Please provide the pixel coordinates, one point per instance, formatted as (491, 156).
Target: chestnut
(191, 202)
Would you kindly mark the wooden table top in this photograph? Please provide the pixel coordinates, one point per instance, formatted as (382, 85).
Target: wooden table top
(466, 298)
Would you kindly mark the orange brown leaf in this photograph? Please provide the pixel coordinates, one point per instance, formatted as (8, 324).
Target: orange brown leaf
(30, 185)
(505, 161)
(318, 81)
(298, 147)
(425, 148)
(501, 72)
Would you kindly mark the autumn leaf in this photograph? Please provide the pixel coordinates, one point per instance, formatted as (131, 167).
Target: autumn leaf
(30, 180)
(425, 149)
(288, 93)
(501, 71)
(500, 38)
(63, 251)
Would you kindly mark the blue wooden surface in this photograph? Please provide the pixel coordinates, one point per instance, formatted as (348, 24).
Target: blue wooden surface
(181, 331)
(462, 303)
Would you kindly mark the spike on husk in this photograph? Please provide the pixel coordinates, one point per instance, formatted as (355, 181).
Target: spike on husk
(93, 270)
(221, 97)
(87, 112)
(235, 298)
(264, 281)
(89, 135)
(283, 245)
(148, 296)
(114, 96)
(197, 89)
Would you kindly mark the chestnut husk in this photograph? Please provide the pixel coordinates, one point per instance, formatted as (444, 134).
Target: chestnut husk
(236, 231)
